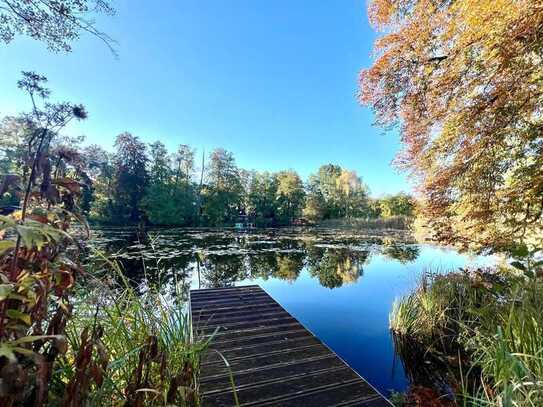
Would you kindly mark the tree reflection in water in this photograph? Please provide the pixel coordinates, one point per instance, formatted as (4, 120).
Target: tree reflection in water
(220, 258)
(223, 270)
(335, 267)
(402, 252)
(289, 266)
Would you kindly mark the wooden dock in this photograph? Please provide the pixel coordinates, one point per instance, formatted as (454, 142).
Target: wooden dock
(273, 359)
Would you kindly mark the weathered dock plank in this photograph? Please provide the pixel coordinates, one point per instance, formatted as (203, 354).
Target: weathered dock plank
(274, 360)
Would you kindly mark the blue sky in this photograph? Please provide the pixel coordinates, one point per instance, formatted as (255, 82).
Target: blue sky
(272, 81)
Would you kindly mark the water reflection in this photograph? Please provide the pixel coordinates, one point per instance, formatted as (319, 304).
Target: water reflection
(335, 267)
(222, 270)
(404, 253)
(222, 258)
(340, 285)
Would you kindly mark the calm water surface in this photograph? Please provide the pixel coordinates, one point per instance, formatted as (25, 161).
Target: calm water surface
(340, 285)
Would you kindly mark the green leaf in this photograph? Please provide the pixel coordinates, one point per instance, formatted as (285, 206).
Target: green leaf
(5, 291)
(23, 351)
(6, 245)
(7, 351)
(16, 314)
(6, 222)
(518, 265)
(36, 234)
(520, 251)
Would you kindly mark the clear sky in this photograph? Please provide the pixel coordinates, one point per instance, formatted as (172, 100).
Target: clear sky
(273, 81)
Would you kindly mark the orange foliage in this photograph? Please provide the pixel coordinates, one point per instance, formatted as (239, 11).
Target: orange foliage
(464, 82)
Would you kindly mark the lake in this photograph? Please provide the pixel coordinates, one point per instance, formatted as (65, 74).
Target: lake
(339, 284)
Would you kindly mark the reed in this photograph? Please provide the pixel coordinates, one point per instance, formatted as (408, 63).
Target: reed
(489, 322)
(136, 344)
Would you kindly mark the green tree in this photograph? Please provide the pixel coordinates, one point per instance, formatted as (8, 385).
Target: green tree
(327, 176)
(223, 193)
(170, 204)
(261, 201)
(290, 195)
(13, 157)
(397, 205)
(374, 208)
(335, 193)
(130, 179)
(13, 133)
(315, 204)
(101, 172)
(315, 207)
(184, 164)
(353, 193)
(160, 171)
(170, 198)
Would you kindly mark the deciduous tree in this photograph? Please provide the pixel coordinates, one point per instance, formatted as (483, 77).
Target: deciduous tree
(353, 193)
(223, 194)
(56, 22)
(130, 178)
(290, 195)
(464, 81)
(397, 205)
(184, 163)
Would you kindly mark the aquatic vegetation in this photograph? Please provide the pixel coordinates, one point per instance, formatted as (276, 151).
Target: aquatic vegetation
(398, 223)
(484, 330)
(220, 257)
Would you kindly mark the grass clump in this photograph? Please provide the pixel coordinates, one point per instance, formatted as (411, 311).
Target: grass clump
(484, 326)
(128, 346)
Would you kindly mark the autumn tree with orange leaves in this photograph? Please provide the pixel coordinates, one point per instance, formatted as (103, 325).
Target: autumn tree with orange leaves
(463, 81)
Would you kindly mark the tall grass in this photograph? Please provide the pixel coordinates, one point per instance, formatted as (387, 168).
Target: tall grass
(508, 348)
(487, 325)
(145, 353)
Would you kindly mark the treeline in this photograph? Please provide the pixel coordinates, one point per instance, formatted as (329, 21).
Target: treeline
(145, 183)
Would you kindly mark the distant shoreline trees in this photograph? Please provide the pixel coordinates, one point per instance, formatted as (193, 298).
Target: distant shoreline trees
(145, 183)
